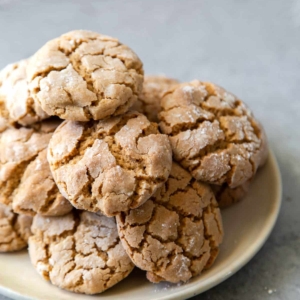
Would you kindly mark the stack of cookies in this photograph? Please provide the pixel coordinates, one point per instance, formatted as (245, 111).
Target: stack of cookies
(103, 170)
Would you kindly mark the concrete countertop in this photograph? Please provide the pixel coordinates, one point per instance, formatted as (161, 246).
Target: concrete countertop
(252, 48)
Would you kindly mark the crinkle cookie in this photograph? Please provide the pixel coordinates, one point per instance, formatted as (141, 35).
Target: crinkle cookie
(20, 106)
(84, 75)
(18, 148)
(110, 165)
(149, 100)
(37, 191)
(227, 196)
(176, 234)
(212, 133)
(14, 229)
(80, 252)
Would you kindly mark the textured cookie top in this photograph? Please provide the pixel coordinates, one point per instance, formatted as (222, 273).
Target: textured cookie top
(227, 196)
(18, 147)
(212, 133)
(149, 100)
(14, 229)
(37, 191)
(20, 106)
(110, 165)
(176, 233)
(79, 252)
(84, 75)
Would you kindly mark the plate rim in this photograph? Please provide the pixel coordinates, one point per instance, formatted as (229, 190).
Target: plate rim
(223, 274)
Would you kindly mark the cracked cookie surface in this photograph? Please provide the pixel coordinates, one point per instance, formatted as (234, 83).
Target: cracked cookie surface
(18, 148)
(80, 252)
(176, 233)
(149, 100)
(227, 196)
(14, 92)
(84, 75)
(110, 165)
(212, 133)
(14, 229)
(37, 191)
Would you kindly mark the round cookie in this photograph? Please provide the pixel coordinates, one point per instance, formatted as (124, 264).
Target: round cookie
(80, 252)
(83, 75)
(110, 165)
(149, 100)
(19, 147)
(14, 229)
(37, 191)
(212, 133)
(176, 233)
(227, 196)
(20, 106)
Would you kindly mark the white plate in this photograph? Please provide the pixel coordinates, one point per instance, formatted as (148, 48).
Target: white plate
(247, 226)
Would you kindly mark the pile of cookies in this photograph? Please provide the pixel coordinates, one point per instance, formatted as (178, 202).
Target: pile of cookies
(102, 170)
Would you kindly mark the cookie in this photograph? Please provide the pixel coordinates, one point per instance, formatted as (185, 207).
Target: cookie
(18, 148)
(176, 233)
(83, 75)
(212, 133)
(79, 252)
(149, 100)
(110, 165)
(14, 229)
(20, 106)
(227, 196)
(37, 191)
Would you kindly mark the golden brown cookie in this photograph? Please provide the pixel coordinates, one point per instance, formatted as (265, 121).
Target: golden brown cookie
(18, 148)
(14, 229)
(20, 106)
(80, 252)
(111, 165)
(176, 234)
(83, 75)
(37, 191)
(212, 133)
(149, 100)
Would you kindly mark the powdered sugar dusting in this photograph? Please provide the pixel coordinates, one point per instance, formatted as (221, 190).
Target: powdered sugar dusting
(86, 275)
(189, 90)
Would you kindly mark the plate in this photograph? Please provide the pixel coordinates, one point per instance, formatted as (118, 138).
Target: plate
(246, 230)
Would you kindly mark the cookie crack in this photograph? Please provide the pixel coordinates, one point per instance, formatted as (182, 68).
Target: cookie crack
(185, 126)
(8, 188)
(50, 198)
(45, 74)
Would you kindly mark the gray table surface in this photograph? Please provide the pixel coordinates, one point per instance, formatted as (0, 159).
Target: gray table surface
(249, 47)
